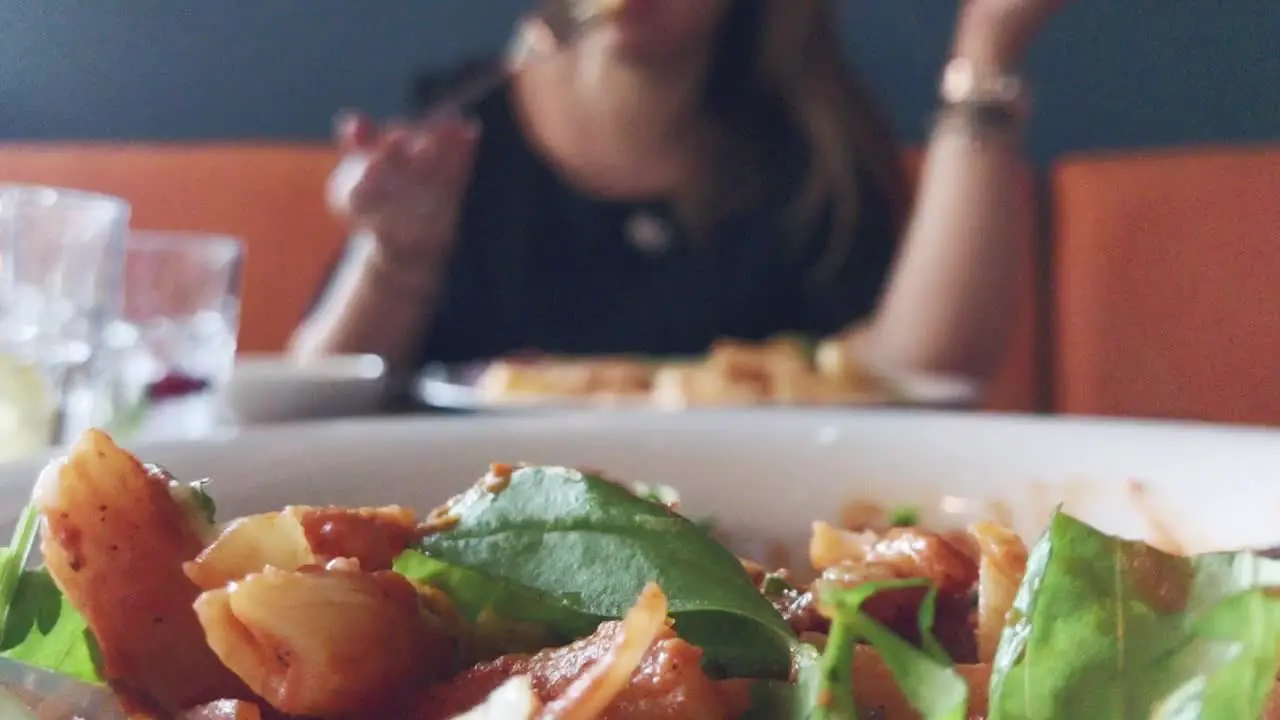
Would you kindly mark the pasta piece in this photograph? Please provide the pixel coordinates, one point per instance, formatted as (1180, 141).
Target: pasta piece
(300, 536)
(604, 377)
(807, 388)
(619, 376)
(679, 386)
(836, 361)
(115, 541)
(1001, 567)
(914, 553)
(595, 689)
(325, 643)
(248, 545)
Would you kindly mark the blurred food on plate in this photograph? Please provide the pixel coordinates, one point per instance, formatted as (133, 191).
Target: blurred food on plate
(785, 370)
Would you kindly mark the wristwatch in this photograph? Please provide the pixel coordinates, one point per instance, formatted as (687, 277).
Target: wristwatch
(988, 102)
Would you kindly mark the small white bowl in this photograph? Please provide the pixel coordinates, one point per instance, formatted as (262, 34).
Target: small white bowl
(270, 388)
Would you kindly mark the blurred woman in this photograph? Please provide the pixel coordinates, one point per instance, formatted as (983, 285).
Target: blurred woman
(690, 170)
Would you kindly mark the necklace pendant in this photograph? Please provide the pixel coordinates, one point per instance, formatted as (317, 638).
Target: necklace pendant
(648, 233)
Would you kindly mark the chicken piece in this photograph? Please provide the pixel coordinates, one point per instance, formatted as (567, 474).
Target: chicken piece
(300, 536)
(374, 536)
(849, 559)
(114, 541)
(592, 692)
(326, 643)
(668, 685)
(910, 551)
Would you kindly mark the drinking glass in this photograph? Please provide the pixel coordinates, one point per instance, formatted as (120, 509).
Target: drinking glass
(60, 261)
(174, 345)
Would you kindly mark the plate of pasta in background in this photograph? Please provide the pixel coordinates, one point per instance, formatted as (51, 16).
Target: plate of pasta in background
(789, 564)
(783, 371)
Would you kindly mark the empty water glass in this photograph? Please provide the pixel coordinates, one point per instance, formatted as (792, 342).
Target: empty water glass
(174, 345)
(60, 261)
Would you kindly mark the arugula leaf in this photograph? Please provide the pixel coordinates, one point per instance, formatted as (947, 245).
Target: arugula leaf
(193, 496)
(590, 545)
(45, 631)
(203, 501)
(926, 677)
(14, 557)
(1107, 628)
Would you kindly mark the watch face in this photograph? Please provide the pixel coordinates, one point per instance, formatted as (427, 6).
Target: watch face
(962, 83)
(957, 80)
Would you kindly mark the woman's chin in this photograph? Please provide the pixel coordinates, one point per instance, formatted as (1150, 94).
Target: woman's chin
(636, 46)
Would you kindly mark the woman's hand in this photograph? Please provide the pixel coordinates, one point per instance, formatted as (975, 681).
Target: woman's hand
(403, 184)
(995, 34)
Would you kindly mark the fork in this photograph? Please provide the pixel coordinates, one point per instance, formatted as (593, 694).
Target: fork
(31, 692)
(552, 25)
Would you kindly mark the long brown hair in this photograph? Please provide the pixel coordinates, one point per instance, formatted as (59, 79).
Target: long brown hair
(779, 63)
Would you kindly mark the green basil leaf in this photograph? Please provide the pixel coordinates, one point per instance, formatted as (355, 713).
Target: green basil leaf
(795, 700)
(503, 618)
(1109, 628)
(926, 677)
(590, 545)
(905, 516)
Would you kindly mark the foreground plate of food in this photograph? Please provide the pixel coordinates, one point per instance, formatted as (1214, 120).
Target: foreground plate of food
(772, 565)
(781, 372)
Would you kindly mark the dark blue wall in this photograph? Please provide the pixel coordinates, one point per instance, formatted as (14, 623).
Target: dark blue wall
(1111, 73)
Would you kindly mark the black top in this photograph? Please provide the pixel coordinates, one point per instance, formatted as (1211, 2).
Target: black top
(539, 265)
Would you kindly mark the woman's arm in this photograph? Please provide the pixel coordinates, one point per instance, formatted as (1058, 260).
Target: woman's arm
(401, 187)
(403, 199)
(951, 301)
(370, 306)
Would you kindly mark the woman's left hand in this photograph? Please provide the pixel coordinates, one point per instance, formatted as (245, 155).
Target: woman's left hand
(997, 33)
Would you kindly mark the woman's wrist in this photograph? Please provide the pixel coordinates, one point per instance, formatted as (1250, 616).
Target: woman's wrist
(992, 37)
(399, 272)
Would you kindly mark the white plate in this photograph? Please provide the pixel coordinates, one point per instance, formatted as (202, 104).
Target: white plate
(267, 388)
(452, 388)
(766, 475)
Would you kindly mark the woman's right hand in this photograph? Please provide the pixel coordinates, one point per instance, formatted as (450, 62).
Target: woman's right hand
(403, 184)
